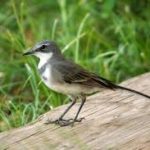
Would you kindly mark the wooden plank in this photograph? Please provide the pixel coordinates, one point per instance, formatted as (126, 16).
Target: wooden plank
(113, 120)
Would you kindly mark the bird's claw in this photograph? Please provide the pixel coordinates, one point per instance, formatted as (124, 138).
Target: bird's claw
(64, 122)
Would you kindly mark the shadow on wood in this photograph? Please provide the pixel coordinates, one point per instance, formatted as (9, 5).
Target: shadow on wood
(113, 120)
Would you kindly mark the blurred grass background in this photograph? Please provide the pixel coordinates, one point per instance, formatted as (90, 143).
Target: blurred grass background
(109, 37)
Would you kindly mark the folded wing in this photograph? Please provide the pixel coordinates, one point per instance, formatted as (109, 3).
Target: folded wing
(73, 73)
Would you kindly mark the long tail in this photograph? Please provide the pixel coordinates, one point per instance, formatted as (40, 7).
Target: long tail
(134, 91)
(110, 85)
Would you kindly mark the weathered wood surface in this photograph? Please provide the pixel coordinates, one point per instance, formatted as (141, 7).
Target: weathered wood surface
(114, 120)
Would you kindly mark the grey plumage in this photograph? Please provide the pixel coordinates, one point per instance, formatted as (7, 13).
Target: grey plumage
(64, 76)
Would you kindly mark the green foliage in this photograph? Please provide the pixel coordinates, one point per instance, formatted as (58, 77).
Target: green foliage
(108, 37)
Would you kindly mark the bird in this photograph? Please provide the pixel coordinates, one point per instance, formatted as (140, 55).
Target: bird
(64, 76)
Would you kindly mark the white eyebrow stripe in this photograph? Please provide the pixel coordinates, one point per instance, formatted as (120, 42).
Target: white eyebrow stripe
(46, 44)
(39, 46)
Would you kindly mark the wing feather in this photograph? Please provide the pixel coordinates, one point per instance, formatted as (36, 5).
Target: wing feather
(73, 73)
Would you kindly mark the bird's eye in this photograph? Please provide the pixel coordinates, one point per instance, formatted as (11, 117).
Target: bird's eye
(43, 46)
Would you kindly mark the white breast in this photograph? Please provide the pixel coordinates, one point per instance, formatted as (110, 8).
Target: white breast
(44, 57)
(55, 82)
(62, 87)
(46, 76)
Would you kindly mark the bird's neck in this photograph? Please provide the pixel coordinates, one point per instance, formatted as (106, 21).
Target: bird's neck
(50, 58)
(44, 58)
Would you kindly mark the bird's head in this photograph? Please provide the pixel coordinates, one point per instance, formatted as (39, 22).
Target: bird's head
(44, 49)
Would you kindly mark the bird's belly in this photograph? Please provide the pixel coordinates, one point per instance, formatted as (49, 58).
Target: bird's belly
(69, 89)
(63, 87)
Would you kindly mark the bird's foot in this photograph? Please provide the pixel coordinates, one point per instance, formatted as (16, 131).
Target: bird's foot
(64, 122)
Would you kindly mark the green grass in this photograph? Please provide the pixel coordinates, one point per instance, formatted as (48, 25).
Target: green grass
(111, 38)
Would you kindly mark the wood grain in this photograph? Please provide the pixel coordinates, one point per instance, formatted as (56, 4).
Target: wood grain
(114, 120)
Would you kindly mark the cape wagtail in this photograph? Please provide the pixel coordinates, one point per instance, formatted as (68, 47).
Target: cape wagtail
(66, 77)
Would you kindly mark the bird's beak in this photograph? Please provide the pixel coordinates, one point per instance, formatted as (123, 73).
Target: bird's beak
(28, 53)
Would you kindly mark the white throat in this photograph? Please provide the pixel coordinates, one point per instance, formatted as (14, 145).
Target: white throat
(44, 57)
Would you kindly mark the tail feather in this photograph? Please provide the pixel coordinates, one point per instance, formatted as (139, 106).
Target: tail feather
(105, 83)
(131, 90)
(110, 85)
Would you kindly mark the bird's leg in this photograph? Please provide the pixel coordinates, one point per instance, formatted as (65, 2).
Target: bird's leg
(68, 108)
(60, 120)
(76, 117)
(66, 122)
